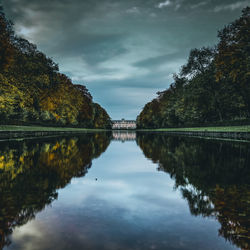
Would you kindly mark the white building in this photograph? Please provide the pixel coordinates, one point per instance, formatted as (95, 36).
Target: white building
(123, 124)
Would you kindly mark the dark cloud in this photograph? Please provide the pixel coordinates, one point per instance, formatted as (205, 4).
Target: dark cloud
(124, 51)
(94, 48)
(159, 60)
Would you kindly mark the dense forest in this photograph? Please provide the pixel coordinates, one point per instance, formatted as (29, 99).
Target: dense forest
(33, 91)
(213, 87)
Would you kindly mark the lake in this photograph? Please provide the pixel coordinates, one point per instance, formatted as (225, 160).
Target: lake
(124, 190)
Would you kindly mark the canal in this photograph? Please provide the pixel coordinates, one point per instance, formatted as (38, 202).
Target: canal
(124, 191)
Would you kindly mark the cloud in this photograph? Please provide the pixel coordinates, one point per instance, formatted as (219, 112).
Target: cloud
(157, 61)
(94, 48)
(232, 7)
(116, 47)
(177, 6)
(164, 4)
(133, 10)
(198, 5)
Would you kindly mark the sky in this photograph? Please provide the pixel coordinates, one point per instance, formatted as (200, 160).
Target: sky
(123, 51)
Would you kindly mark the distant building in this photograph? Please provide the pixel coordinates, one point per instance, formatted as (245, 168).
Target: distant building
(123, 124)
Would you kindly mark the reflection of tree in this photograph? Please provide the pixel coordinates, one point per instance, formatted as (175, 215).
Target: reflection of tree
(32, 171)
(233, 211)
(212, 176)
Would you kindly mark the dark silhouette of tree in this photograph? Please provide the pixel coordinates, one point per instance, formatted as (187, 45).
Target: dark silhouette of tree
(233, 57)
(6, 36)
(213, 87)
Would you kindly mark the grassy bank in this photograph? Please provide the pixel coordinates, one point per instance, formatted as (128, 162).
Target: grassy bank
(205, 129)
(195, 129)
(40, 128)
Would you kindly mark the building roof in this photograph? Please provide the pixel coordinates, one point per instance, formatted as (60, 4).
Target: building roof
(123, 120)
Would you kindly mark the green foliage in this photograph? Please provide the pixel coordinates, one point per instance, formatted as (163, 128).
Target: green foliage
(32, 91)
(213, 87)
(233, 57)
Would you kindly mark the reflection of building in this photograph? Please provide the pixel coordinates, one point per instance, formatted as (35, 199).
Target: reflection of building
(124, 135)
(123, 124)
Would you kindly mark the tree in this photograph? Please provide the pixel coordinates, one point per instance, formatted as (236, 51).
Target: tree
(198, 62)
(212, 87)
(33, 91)
(6, 48)
(233, 58)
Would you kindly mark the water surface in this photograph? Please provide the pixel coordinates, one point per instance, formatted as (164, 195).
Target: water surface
(124, 191)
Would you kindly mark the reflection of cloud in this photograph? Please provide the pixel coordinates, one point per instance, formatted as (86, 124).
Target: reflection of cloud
(30, 236)
(131, 206)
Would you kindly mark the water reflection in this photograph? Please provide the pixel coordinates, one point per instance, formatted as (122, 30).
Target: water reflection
(121, 135)
(130, 205)
(31, 172)
(213, 176)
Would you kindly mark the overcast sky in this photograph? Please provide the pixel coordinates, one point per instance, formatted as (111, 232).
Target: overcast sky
(124, 51)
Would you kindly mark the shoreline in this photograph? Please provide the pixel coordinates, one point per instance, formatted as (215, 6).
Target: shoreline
(18, 132)
(233, 132)
(7, 135)
(242, 128)
(206, 134)
(226, 132)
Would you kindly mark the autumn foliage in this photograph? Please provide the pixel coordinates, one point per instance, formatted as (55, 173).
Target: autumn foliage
(33, 91)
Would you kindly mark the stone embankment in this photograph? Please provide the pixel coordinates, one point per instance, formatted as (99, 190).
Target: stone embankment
(28, 134)
(212, 134)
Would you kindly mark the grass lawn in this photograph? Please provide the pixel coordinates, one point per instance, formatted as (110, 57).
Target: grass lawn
(210, 129)
(37, 128)
(203, 129)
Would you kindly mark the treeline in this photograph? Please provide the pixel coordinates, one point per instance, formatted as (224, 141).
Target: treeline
(33, 91)
(213, 87)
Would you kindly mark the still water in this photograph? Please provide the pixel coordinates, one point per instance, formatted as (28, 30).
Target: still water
(124, 191)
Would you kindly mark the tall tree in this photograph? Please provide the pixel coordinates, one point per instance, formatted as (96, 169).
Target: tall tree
(33, 91)
(233, 58)
(6, 48)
